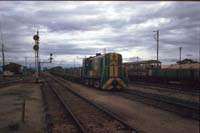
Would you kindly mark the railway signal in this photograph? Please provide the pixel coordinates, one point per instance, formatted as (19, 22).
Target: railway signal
(36, 37)
(51, 57)
(36, 48)
(42, 62)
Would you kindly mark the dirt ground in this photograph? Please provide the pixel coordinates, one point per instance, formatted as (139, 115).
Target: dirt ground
(144, 118)
(189, 97)
(11, 109)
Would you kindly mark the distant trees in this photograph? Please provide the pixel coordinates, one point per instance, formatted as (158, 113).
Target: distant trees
(45, 69)
(13, 67)
(186, 61)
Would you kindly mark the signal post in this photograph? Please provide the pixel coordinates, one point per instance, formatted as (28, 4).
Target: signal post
(36, 48)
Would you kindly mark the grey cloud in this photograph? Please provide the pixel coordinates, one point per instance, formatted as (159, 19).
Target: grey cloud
(20, 20)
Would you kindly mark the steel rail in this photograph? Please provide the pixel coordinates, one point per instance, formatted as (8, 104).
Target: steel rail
(67, 108)
(194, 109)
(7, 83)
(111, 114)
(155, 97)
(151, 96)
(178, 88)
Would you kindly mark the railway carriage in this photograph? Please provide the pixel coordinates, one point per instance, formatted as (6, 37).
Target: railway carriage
(73, 74)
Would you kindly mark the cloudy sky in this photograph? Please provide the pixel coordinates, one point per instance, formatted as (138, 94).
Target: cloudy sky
(74, 30)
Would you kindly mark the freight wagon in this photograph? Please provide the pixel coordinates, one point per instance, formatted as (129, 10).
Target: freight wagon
(140, 70)
(150, 71)
(183, 76)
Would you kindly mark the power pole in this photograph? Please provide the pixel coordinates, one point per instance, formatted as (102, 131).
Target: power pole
(180, 48)
(104, 50)
(157, 39)
(198, 40)
(74, 62)
(26, 61)
(3, 58)
(137, 66)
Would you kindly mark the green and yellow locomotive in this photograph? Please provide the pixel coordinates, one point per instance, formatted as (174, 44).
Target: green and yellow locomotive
(101, 71)
(104, 72)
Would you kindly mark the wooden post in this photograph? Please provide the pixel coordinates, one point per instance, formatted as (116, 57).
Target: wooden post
(23, 110)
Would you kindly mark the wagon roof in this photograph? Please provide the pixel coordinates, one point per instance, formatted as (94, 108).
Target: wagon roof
(143, 62)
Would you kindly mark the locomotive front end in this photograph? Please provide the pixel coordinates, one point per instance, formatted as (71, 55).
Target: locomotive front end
(114, 76)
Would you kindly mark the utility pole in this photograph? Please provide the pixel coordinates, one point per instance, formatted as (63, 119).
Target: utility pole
(3, 58)
(198, 40)
(137, 67)
(74, 62)
(104, 50)
(157, 39)
(26, 61)
(180, 48)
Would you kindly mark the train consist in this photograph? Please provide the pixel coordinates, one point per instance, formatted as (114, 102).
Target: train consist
(150, 71)
(101, 71)
(107, 72)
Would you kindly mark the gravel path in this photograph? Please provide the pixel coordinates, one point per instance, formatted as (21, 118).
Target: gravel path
(11, 108)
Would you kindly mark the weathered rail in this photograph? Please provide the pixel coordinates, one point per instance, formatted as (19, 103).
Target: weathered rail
(58, 116)
(92, 117)
(167, 87)
(9, 82)
(181, 107)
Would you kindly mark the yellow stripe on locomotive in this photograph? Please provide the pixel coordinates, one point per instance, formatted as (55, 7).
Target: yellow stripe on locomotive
(105, 71)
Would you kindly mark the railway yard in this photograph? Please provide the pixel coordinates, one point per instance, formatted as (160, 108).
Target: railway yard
(104, 95)
(58, 105)
(99, 67)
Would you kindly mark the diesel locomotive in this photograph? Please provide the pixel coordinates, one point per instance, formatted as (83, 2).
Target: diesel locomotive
(103, 71)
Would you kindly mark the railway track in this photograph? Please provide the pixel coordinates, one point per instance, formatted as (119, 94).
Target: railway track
(91, 117)
(165, 87)
(181, 107)
(57, 115)
(9, 82)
